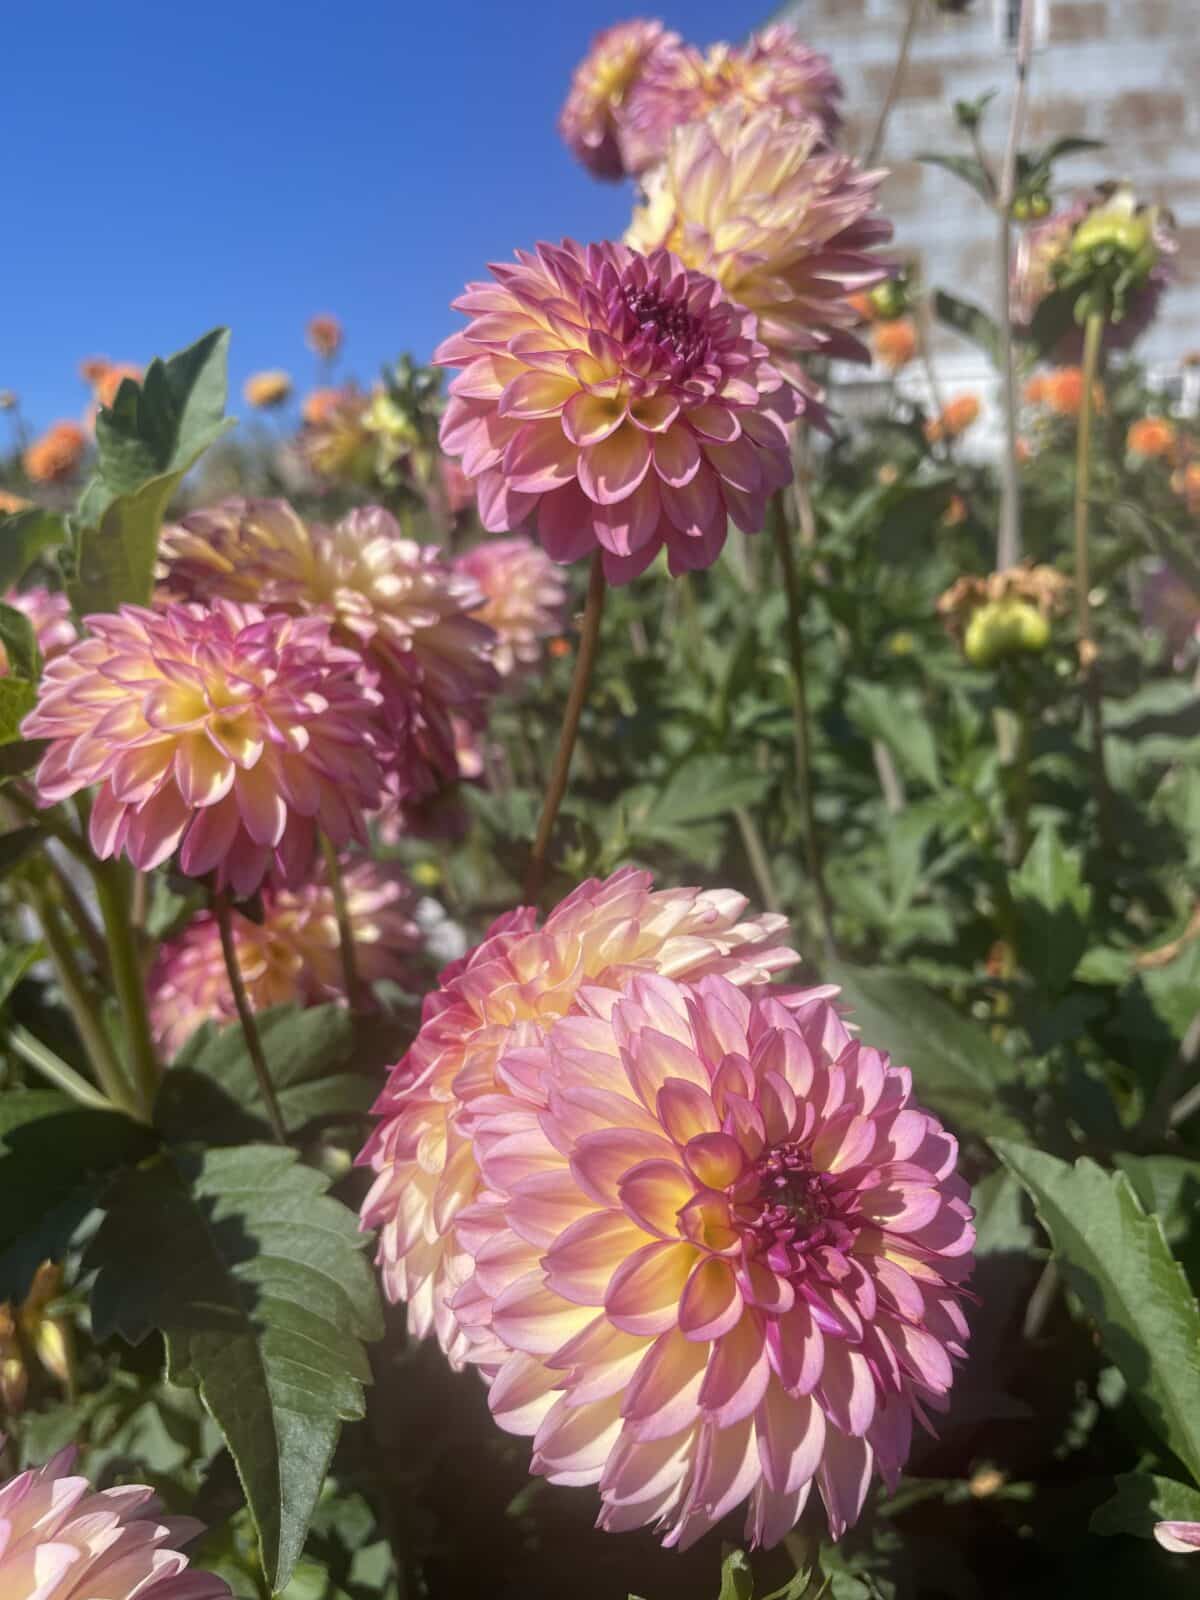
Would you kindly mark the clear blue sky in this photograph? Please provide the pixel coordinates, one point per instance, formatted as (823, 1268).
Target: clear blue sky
(173, 166)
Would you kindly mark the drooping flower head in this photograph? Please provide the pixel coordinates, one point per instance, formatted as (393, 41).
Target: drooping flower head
(49, 611)
(524, 598)
(718, 1256)
(62, 1540)
(593, 115)
(502, 997)
(225, 734)
(618, 402)
(399, 604)
(324, 335)
(774, 69)
(265, 391)
(293, 954)
(784, 224)
(55, 454)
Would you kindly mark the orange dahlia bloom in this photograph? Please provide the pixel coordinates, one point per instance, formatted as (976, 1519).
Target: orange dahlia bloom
(774, 69)
(56, 454)
(618, 402)
(93, 368)
(954, 419)
(324, 335)
(225, 734)
(492, 1006)
(320, 404)
(783, 224)
(718, 1257)
(1152, 437)
(894, 343)
(267, 390)
(592, 119)
(1187, 483)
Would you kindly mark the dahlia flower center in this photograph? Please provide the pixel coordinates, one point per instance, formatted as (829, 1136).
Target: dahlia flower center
(669, 324)
(793, 1211)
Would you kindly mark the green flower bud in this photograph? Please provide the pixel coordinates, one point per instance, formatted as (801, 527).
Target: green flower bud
(1003, 628)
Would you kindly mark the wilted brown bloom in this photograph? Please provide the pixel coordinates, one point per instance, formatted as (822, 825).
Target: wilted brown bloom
(1044, 588)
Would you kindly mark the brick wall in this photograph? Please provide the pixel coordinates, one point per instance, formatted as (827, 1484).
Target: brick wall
(1126, 71)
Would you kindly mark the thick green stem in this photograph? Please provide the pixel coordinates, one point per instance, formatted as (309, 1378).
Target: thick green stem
(223, 911)
(589, 638)
(1092, 336)
(81, 1004)
(53, 1068)
(112, 892)
(341, 911)
(800, 722)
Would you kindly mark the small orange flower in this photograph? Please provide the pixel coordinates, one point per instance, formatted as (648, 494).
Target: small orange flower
(10, 504)
(1152, 436)
(56, 454)
(267, 390)
(861, 302)
(954, 419)
(324, 335)
(1061, 391)
(1035, 389)
(895, 343)
(93, 368)
(1187, 483)
(320, 405)
(559, 648)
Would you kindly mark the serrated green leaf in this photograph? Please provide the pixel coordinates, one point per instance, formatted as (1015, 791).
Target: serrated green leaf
(153, 434)
(956, 1067)
(896, 717)
(965, 168)
(1052, 903)
(737, 1577)
(24, 535)
(211, 1093)
(17, 697)
(701, 789)
(971, 321)
(1116, 1259)
(55, 1158)
(1142, 1500)
(257, 1279)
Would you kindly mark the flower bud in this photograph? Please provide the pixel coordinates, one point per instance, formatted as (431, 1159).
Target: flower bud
(1003, 628)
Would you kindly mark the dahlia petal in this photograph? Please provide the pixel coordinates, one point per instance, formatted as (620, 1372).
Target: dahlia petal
(613, 468)
(522, 1392)
(796, 1346)
(1180, 1538)
(204, 774)
(726, 1468)
(629, 526)
(711, 1303)
(209, 836)
(589, 419)
(565, 523)
(653, 1193)
(677, 456)
(155, 829)
(536, 394)
(686, 1111)
(772, 1516)
(843, 1143)
(715, 422)
(847, 1389)
(501, 507)
(540, 460)
(643, 1295)
(601, 1160)
(695, 505)
(530, 1317)
(657, 413)
(663, 1396)
(261, 806)
(843, 1478)
(738, 1373)
(579, 1265)
(714, 1160)
(573, 1442)
(791, 1436)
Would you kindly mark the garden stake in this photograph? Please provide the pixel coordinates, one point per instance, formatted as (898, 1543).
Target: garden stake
(222, 909)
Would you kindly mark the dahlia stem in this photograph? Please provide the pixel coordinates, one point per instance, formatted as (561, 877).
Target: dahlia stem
(79, 914)
(54, 1069)
(800, 721)
(1092, 334)
(88, 1022)
(589, 638)
(893, 88)
(1008, 541)
(222, 909)
(756, 855)
(341, 910)
(112, 892)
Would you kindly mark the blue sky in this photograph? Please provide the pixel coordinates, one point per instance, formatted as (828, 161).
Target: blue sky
(170, 167)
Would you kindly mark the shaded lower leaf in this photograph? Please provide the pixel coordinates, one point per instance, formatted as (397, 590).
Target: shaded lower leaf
(24, 535)
(1142, 1500)
(257, 1279)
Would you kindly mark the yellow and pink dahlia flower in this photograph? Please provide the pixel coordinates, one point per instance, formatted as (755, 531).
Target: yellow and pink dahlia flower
(291, 955)
(49, 612)
(618, 402)
(784, 224)
(496, 1002)
(60, 1539)
(407, 612)
(718, 1256)
(775, 68)
(524, 598)
(592, 118)
(227, 735)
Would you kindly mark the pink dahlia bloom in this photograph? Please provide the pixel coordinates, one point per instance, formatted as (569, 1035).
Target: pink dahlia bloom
(293, 955)
(1180, 1538)
(62, 1540)
(400, 605)
(592, 117)
(617, 402)
(718, 1256)
(49, 611)
(774, 69)
(524, 598)
(227, 735)
(501, 998)
(784, 225)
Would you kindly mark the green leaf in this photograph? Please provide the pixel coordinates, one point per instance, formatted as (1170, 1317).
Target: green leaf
(154, 433)
(15, 962)
(971, 321)
(737, 1577)
(704, 787)
(17, 697)
(966, 168)
(211, 1093)
(55, 1158)
(1052, 903)
(16, 845)
(257, 1279)
(24, 535)
(1142, 1500)
(956, 1067)
(896, 717)
(19, 643)
(1116, 1259)
(1169, 1186)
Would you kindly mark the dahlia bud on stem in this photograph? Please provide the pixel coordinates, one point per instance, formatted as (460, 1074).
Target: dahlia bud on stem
(589, 638)
(222, 905)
